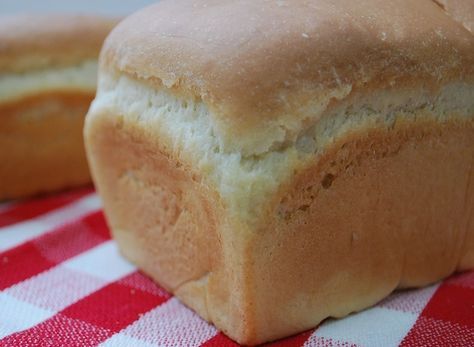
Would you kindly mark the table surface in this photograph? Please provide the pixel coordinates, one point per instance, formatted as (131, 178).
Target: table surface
(64, 283)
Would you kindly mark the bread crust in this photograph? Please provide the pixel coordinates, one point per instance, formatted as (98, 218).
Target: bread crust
(41, 143)
(173, 225)
(460, 10)
(379, 209)
(260, 65)
(36, 41)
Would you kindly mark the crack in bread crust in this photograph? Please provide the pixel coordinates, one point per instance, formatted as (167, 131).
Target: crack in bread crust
(186, 130)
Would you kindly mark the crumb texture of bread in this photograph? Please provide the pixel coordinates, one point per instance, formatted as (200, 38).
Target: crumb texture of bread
(272, 176)
(186, 130)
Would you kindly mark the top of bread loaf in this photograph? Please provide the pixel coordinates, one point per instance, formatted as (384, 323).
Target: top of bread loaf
(267, 69)
(29, 42)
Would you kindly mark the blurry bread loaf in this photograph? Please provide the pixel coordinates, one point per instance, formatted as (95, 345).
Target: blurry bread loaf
(48, 73)
(275, 163)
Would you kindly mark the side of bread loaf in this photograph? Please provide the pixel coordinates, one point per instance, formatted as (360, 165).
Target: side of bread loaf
(265, 233)
(381, 207)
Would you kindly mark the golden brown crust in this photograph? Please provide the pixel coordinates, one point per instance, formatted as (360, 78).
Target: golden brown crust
(172, 225)
(41, 144)
(461, 11)
(377, 210)
(36, 41)
(256, 62)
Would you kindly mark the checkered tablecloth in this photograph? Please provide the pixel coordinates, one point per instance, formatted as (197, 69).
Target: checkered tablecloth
(63, 283)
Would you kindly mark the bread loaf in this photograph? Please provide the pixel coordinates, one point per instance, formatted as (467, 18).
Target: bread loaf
(275, 163)
(48, 73)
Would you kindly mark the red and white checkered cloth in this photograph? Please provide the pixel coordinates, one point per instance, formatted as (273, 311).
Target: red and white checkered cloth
(63, 283)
